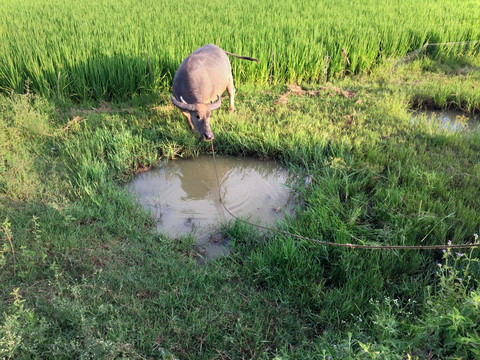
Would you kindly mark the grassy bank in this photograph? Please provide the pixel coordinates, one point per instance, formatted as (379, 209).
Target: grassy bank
(87, 50)
(83, 274)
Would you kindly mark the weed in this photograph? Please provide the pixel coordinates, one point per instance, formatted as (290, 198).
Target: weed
(21, 331)
(7, 246)
(454, 307)
(35, 255)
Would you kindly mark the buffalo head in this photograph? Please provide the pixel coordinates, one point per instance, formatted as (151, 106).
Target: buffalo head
(199, 115)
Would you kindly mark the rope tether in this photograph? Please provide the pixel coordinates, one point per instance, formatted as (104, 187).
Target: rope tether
(346, 245)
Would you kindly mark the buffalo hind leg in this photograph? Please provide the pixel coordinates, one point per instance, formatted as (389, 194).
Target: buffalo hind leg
(231, 94)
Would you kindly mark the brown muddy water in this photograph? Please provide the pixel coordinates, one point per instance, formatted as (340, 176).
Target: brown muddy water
(450, 120)
(183, 197)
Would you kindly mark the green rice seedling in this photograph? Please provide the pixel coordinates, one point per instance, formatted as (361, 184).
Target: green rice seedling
(85, 50)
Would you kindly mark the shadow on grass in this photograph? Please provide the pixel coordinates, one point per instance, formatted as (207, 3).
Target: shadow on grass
(102, 78)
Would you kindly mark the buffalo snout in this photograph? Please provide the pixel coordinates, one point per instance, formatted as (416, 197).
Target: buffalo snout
(208, 136)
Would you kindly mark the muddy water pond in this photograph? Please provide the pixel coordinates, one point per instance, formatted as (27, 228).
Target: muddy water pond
(183, 197)
(450, 120)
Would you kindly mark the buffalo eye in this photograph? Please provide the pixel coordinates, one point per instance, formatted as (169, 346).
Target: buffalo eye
(197, 116)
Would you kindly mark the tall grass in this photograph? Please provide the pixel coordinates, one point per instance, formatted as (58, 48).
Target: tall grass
(82, 274)
(98, 49)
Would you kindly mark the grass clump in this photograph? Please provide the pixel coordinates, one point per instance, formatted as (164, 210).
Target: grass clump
(26, 130)
(451, 83)
(83, 274)
(454, 306)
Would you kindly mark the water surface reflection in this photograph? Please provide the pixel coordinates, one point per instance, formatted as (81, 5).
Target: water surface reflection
(183, 196)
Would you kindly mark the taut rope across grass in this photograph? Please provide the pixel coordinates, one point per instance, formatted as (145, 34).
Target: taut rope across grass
(345, 245)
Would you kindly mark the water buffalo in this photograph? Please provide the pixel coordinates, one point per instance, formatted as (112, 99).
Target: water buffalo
(199, 81)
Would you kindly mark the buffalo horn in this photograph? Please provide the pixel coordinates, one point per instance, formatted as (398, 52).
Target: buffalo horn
(216, 104)
(182, 105)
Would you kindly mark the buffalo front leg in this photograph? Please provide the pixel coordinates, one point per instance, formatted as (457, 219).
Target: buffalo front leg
(187, 116)
(231, 94)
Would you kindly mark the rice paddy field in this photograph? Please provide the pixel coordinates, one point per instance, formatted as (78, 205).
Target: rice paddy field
(88, 50)
(337, 98)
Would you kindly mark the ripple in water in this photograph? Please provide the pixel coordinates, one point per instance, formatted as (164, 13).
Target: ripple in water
(183, 196)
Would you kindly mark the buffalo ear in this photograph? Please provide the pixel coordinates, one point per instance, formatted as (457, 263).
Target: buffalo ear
(216, 104)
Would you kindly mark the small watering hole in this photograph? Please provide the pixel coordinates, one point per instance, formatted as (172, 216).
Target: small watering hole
(183, 196)
(450, 120)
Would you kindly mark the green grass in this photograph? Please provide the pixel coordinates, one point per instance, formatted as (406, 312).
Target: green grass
(452, 83)
(84, 274)
(87, 50)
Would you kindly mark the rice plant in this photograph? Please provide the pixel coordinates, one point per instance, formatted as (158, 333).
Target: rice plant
(90, 50)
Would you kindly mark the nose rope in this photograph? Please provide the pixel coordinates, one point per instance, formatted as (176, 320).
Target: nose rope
(329, 243)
